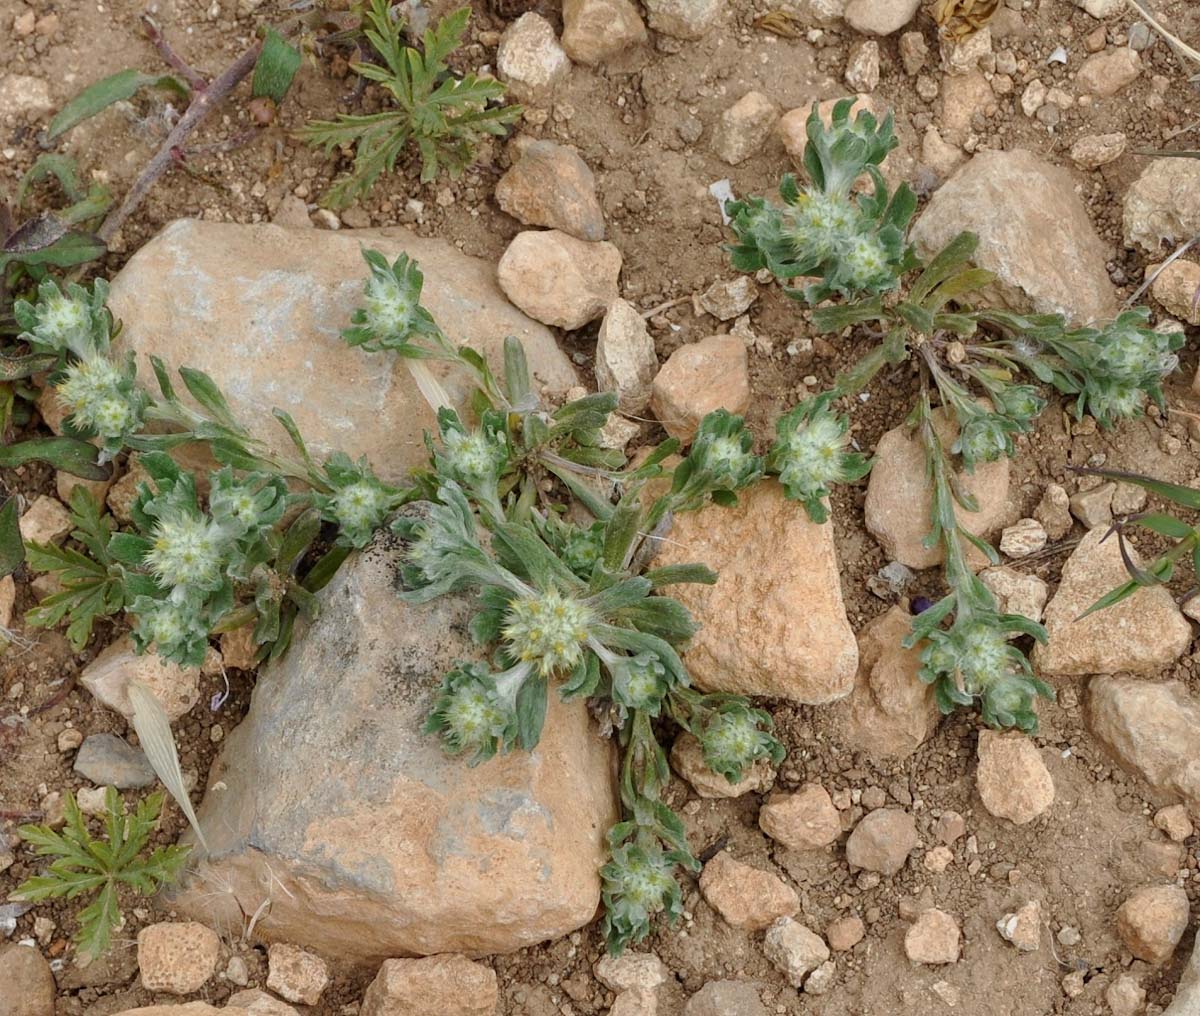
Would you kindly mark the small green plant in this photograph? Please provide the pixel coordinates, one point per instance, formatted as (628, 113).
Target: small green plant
(972, 358)
(1186, 537)
(86, 866)
(444, 116)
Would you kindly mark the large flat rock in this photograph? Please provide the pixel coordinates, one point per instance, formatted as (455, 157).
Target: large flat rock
(261, 309)
(368, 840)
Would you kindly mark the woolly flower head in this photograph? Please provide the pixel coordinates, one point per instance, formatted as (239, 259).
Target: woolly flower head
(732, 741)
(188, 551)
(62, 320)
(472, 457)
(639, 682)
(984, 438)
(467, 713)
(820, 224)
(176, 628)
(101, 398)
(360, 507)
(547, 629)
(390, 306)
(866, 262)
(811, 455)
(639, 883)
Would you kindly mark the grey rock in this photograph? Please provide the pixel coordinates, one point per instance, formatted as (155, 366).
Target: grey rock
(726, 998)
(377, 843)
(108, 761)
(882, 841)
(1163, 204)
(683, 19)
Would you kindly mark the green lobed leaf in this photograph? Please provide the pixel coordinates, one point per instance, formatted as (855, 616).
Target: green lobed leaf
(66, 453)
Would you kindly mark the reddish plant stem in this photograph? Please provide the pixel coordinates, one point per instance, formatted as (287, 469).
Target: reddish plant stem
(170, 57)
(202, 104)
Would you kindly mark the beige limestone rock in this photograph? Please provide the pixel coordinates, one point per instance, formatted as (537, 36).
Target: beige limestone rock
(177, 957)
(882, 841)
(530, 60)
(557, 279)
(933, 939)
(261, 309)
(805, 820)
(377, 843)
(1153, 729)
(1105, 74)
(745, 896)
(595, 31)
(1006, 198)
(1013, 781)
(1152, 921)
(108, 675)
(1163, 204)
(891, 711)
(550, 185)
(26, 982)
(625, 359)
(446, 985)
(1141, 634)
(45, 521)
(744, 127)
(296, 974)
(774, 624)
(899, 500)
(697, 379)
(1176, 288)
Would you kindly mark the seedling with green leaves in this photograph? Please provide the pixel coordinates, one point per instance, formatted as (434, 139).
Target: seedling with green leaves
(442, 115)
(86, 866)
(855, 250)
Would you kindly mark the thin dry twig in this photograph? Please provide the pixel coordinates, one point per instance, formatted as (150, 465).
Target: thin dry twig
(1174, 41)
(170, 55)
(1149, 280)
(204, 101)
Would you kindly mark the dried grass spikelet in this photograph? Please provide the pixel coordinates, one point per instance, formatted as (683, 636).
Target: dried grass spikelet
(959, 18)
(782, 23)
(153, 729)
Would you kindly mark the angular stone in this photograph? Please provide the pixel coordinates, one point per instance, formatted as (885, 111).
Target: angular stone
(26, 982)
(862, 67)
(550, 185)
(1163, 204)
(744, 127)
(1053, 511)
(1143, 633)
(880, 17)
(1176, 287)
(632, 971)
(1107, 73)
(1125, 997)
(899, 500)
(261, 309)
(1096, 150)
(1175, 822)
(1013, 781)
(24, 96)
(1016, 592)
(1007, 198)
(687, 759)
(106, 760)
(259, 1003)
(557, 279)
(45, 521)
(177, 957)
(297, 975)
(378, 843)
(1024, 537)
(1187, 994)
(530, 60)
(434, 986)
(683, 19)
(635, 1002)
(1152, 921)
(8, 599)
(1023, 928)
(1093, 507)
(107, 677)
(805, 820)
(882, 841)
(794, 950)
(1153, 729)
(774, 624)
(891, 711)
(726, 998)
(697, 379)
(598, 30)
(845, 933)
(934, 938)
(745, 896)
(625, 359)
(727, 299)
